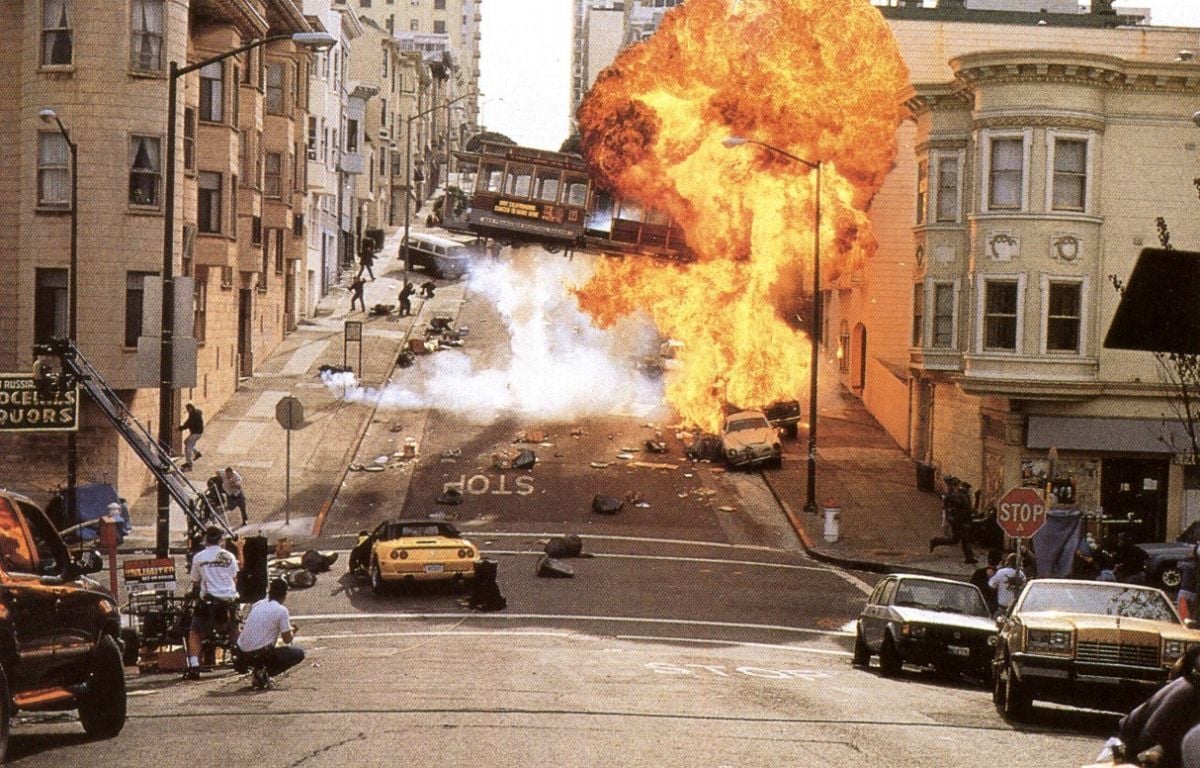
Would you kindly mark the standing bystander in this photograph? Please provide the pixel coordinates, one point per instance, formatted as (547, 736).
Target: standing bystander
(231, 483)
(356, 293)
(406, 294)
(194, 425)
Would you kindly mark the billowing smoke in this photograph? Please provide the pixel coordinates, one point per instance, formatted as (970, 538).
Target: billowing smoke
(558, 366)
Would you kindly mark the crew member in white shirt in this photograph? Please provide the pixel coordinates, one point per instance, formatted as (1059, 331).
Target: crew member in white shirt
(214, 592)
(269, 621)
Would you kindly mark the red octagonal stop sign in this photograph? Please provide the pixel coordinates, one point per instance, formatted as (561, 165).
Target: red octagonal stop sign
(1021, 512)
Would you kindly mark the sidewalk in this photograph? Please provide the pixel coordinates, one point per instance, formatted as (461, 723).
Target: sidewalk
(885, 522)
(245, 435)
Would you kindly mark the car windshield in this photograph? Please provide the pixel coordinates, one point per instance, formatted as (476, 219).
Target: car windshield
(940, 596)
(1100, 600)
(411, 530)
(737, 425)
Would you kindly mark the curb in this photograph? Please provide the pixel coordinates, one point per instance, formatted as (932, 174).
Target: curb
(857, 564)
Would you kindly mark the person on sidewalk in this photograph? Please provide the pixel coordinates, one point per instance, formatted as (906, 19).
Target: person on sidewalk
(984, 574)
(406, 294)
(366, 259)
(267, 622)
(235, 497)
(214, 595)
(194, 425)
(1008, 582)
(956, 508)
(356, 293)
(427, 288)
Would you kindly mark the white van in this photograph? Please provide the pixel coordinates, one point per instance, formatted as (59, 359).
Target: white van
(439, 256)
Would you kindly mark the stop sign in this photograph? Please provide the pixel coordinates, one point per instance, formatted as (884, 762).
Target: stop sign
(1021, 512)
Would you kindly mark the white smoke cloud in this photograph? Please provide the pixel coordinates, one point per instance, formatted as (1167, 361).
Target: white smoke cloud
(559, 367)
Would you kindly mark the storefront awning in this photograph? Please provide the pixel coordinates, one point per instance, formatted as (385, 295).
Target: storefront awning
(1109, 435)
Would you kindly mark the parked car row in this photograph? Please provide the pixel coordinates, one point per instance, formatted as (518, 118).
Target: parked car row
(1104, 644)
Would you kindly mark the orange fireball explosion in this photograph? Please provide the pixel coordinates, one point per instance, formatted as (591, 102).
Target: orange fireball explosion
(820, 79)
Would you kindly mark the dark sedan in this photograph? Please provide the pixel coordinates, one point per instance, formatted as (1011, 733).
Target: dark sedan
(925, 621)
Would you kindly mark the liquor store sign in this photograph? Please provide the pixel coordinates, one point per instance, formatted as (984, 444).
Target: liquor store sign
(24, 409)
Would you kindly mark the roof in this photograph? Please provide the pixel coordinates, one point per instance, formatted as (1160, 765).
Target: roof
(979, 16)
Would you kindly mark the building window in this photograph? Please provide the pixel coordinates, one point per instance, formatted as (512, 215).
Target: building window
(439, 27)
(943, 316)
(208, 207)
(248, 72)
(298, 169)
(243, 157)
(200, 304)
(439, 5)
(189, 139)
(189, 248)
(212, 92)
(145, 169)
(312, 138)
(947, 188)
(258, 160)
(273, 184)
(275, 83)
(54, 170)
(135, 292)
(922, 190)
(233, 206)
(50, 306)
(1070, 175)
(352, 136)
(256, 234)
(266, 265)
(1000, 315)
(145, 47)
(279, 251)
(57, 48)
(414, 25)
(918, 312)
(364, 3)
(1063, 305)
(1006, 174)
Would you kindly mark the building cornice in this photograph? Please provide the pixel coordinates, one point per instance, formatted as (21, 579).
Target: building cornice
(1064, 67)
(244, 16)
(1031, 119)
(284, 17)
(939, 97)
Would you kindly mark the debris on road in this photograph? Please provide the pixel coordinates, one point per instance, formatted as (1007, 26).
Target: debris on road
(355, 467)
(530, 436)
(524, 460)
(569, 545)
(624, 456)
(656, 446)
(549, 568)
(485, 594)
(373, 468)
(452, 454)
(502, 459)
(600, 464)
(727, 509)
(606, 505)
(577, 432)
(651, 465)
(450, 495)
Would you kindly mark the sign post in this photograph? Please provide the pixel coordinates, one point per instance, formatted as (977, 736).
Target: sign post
(1021, 513)
(289, 412)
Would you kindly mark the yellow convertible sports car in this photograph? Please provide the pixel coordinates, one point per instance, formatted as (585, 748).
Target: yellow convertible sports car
(405, 551)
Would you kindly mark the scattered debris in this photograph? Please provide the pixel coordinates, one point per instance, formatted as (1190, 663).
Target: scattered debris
(356, 467)
(450, 495)
(569, 545)
(530, 436)
(486, 595)
(689, 474)
(651, 465)
(299, 579)
(381, 459)
(624, 456)
(373, 468)
(704, 447)
(453, 453)
(606, 505)
(524, 460)
(318, 562)
(682, 495)
(642, 504)
(600, 465)
(396, 426)
(656, 446)
(549, 568)
(717, 470)
(381, 310)
(324, 369)
(405, 360)
(410, 448)
(577, 432)
(502, 459)
(727, 509)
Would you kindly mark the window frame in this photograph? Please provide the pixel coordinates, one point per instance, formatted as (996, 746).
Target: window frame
(982, 282)
(1047, 283)
(200, 304)
(157, 174)
(44, 48)
(134, 305)
(934, 316)
(922, 199)
(985, 187)
(56, 311)
(189, 141)
(281, 88)
(1053, 136)
(135, 35)
(919, 299)
(201, 190)
(43, 203)
(277, 193)
(958, 158)
(209, 83)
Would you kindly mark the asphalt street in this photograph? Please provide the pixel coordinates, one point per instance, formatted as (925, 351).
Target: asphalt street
(695, 633)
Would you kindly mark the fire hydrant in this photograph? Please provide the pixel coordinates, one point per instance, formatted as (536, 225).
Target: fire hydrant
(832, 512)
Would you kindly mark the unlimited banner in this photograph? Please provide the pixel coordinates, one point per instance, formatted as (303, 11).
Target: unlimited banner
(24, 409)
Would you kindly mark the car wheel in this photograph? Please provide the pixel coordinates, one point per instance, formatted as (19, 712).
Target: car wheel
(5, 715)
(1017, 701)
(1169, 577)
(130, 641)
(792, 430)
(998, 688)
(862, 654)
(102, 705)
(377, 583)
(889, 658)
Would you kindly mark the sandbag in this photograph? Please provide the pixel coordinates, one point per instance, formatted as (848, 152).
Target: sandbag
(549, 568)
(569, 545)
(524, 460)
(606, 505)
(317, 562)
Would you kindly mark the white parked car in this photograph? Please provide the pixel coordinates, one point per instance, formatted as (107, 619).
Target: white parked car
(749, 440)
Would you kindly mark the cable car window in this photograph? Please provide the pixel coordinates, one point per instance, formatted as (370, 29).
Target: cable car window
(577, 190)
(548, 182)
(657, 217)
(630, 211)
(490, 177)
(601, 216)
(518, 181)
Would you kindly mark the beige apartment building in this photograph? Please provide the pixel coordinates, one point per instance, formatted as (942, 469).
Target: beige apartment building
(1041, 149)
(102, 67)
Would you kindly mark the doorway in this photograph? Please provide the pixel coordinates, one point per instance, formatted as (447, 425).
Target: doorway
(245, 346)
(1133, 493)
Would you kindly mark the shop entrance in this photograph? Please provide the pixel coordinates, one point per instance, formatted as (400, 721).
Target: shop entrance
(1133, 493)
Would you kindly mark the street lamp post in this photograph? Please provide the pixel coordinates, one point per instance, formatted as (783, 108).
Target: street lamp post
(48, 116)
(166, 416)
(810, 499)
(408, 175)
